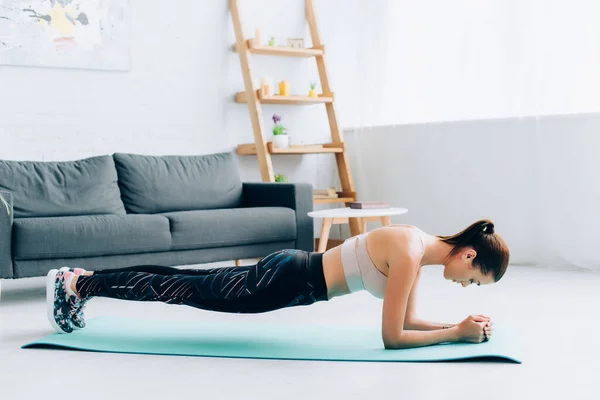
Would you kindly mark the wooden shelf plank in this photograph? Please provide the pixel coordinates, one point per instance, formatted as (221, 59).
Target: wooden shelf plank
(246, 149)
(283, 51)
(250, 148)
(343, 197)
(240, 97)
(333, 200)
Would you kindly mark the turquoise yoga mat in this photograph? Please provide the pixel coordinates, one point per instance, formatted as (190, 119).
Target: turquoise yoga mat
(261, 340)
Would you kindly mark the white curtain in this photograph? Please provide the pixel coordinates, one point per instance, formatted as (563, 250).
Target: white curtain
(505, 91)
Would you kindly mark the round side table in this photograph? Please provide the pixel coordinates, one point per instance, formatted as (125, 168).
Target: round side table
(340, 216)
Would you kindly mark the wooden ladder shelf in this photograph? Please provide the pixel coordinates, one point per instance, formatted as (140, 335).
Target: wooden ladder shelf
(254, 98)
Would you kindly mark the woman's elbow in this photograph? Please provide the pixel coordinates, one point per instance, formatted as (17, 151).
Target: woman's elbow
(389, 345)
(394, 345)
(393, 342)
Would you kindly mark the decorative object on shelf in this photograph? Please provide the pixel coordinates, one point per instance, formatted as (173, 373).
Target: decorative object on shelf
(281, 139)
(313, 92)
(284, 88)
(257, 37)
(281, 178)
(362, 205)
(296, 43)
(272, 41)
(328, 193)
(266, 86)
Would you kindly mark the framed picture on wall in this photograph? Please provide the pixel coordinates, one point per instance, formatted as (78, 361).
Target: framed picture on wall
(296, 43)
(94, 34)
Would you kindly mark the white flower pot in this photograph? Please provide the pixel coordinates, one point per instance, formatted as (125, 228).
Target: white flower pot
(281, 141)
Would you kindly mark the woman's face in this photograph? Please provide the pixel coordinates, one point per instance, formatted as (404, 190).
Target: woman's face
(460, 269)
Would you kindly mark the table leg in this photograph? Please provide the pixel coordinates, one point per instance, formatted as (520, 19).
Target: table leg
(327, 222)
(387, 220)
(354, 223)
(363, 225)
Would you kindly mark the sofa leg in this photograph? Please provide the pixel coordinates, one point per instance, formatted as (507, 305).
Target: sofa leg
(238, 263)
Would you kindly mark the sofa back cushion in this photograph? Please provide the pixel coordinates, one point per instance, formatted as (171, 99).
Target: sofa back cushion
(62, 188)
(156, 184)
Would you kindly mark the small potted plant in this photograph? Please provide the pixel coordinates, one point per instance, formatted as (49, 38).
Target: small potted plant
(272, 41)
(313, 92)
(281, 139)
(280, 178)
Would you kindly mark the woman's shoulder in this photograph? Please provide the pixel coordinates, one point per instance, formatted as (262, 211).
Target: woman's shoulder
(400, 240)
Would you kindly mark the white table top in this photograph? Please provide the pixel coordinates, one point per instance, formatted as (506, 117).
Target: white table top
(357, 213)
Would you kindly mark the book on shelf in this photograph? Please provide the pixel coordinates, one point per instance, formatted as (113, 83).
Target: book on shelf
(361, 205)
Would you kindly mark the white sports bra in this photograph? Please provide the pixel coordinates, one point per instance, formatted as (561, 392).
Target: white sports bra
(359, 269)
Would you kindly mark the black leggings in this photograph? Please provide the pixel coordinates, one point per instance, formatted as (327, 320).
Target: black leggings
(285, 278)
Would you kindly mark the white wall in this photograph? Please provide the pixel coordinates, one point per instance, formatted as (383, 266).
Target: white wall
(178, 96)
(449, 175)
(438, 60)
(487, 108)
(537, 178)
(168, 102)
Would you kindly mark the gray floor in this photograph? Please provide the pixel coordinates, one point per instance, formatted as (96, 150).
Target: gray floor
(557, 314)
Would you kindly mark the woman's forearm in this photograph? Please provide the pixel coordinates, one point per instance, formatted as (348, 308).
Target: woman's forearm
(409, 339)
(416, 324)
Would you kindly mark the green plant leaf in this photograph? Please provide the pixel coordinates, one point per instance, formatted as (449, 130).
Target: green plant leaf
(279, 130)
(280, 178)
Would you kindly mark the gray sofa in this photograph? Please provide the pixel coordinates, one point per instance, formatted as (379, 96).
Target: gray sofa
(119, 210)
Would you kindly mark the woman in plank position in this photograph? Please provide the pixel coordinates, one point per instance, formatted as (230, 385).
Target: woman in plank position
(386, 262)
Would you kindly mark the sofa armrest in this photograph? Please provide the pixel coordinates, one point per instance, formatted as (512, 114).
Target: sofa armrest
(297, 196)
(6, 223)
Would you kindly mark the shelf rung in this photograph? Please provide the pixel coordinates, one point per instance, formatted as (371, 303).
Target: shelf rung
(283, 51)
(240, 97)
(333, 200)
(343, 197)
(250, 148)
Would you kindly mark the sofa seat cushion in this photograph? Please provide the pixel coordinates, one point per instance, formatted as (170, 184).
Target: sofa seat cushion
(231, 227)
(62, 188)
(159, 184)
(89, 236)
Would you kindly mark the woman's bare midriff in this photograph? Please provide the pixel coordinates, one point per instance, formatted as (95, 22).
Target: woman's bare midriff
(332, 260)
